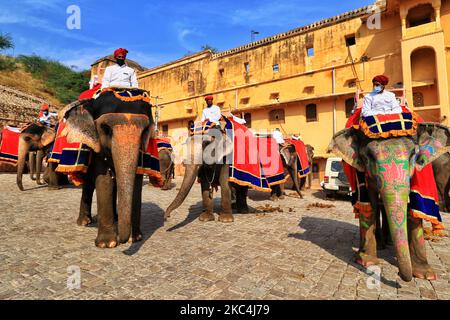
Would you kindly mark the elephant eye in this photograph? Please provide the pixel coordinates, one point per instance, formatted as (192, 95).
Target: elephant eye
(106, 129)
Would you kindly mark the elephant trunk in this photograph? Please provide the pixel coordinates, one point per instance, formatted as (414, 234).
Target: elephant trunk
(395, 204)
(24, 147)
(125, 152)
(188, 181)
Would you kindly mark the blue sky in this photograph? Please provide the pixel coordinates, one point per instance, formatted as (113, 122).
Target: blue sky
(155, 31)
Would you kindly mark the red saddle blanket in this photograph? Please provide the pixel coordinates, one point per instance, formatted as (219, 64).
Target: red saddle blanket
(302, 162)
(9, 144)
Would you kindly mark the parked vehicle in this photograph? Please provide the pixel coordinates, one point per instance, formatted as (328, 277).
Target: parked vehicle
(335, 180)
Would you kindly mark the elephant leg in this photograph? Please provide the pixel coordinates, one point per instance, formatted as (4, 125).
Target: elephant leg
(85, 215)
(379, 230)
(275, 193)
(367, 254)
(39, 157)
(107, 235)
(208, 203)
(53, 181)
(282, 192)
(136, 234)
(447, 197)
(226, 215)
(420, 267)
(241, 199)
(114, 197)
(32, 165)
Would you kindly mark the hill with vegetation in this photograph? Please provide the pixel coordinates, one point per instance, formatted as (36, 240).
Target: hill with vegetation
(41, 77)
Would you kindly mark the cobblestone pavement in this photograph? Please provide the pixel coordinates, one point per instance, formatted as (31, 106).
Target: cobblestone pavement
(299, 253)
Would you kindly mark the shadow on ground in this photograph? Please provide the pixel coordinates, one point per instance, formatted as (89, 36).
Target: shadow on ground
(337, 237)
(152, 219)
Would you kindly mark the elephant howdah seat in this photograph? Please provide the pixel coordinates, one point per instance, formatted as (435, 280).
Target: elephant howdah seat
(389, 125)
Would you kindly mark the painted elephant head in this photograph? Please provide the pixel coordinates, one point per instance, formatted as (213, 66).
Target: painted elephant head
(208, 150)
(116, 131)
(33, 138)
(389, 164)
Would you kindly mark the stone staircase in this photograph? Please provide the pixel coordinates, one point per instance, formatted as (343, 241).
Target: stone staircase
(17, 107)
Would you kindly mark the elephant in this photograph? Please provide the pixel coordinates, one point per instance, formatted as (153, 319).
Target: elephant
(441, 167)
(310, 153)
(289, 157)
(389, 163)
(167, 168)
(35, 138)
(212, 172)
(116, 130)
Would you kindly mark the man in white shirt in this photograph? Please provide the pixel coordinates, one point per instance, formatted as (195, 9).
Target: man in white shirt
(278, 136)
(120, 75)
(380, 101)
(211, 112)
(45, 117)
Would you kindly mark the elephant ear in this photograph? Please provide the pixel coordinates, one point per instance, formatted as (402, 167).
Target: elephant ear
(433, 140)
(48, 137)
(80, 126)
(345, 145)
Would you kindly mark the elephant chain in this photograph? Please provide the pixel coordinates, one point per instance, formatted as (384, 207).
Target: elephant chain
(210, 183)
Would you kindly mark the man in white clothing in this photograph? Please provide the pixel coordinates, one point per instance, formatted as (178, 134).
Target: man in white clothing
(120, 75)
(46, 117)
(380, 101)
(278, 136)
(211, 112)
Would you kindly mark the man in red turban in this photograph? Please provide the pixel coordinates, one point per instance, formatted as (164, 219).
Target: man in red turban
(120, 75)
(380, 101)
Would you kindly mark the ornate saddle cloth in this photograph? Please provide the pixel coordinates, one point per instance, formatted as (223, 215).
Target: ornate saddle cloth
(200, 128)
(9, 144)
(125, 94)
(389, 125)
(302, 157)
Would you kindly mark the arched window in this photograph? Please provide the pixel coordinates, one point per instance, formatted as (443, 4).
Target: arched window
(276, 116)
(349, 105)
(311, 112)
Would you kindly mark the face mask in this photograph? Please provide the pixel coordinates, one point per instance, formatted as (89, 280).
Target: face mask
(378, 89)
(120, 62)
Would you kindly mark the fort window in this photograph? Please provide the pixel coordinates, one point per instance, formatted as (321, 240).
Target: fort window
(311, 112)
(221, 72)
(350, 40)
(165, 130)
(276, 116)
(247, 68)
(310, 51)
(421, 14)
(248, 119)
(276, 68)
(349, 105)
(418, 99)
(191, 87)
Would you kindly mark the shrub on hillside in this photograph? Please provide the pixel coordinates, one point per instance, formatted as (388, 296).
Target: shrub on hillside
(65, 83)
(7, 63)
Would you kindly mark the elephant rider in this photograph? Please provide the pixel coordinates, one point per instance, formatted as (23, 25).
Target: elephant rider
(297, 137)
(45, 116)
(213, 113)
(278, 136)
(380, 101)
(120, 75)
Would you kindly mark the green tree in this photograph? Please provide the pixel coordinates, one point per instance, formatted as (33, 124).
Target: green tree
(6, 42)
(208, 47)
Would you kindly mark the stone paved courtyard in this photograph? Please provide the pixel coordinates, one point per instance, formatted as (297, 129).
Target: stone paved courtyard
(300, 253)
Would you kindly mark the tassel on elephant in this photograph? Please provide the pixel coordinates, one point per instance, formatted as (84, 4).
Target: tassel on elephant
(389, 164)
(116, 130)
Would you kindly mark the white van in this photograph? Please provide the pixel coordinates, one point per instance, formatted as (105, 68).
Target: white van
(335, 180)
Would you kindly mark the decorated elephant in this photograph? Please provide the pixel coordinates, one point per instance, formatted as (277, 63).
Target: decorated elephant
(166, 167)
(310, 153)
(35, 138)
(116, 128)
(441, 167)
(212, 173)
(389, 164)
